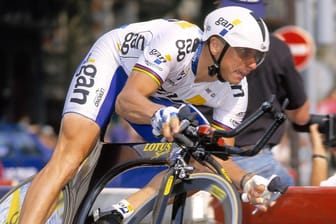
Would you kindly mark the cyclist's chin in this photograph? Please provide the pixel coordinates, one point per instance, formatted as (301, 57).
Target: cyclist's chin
(235, 80)
(235, 77)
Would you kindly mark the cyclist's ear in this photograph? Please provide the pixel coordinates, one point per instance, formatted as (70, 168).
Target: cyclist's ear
(216, 45)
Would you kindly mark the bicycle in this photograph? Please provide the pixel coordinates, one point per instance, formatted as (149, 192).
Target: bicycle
(107, 160)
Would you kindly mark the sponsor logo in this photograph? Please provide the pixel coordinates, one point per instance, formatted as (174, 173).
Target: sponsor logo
(99, 96)
(14, 218)
(234, 123)
(209, 91)
(185, 47)
(150, 64)
(133, 41)
(183, 74)
(158, 148)
(227, 25)
(218, 192)
(223, 171)
(160, 58)
(241, 114)
(84, 81)
(164, 93)
(168, 186)
(237, 91)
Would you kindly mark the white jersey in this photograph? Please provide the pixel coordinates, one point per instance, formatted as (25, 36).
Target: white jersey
(167, 51)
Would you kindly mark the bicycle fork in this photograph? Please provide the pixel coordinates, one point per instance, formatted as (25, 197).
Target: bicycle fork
(179, 171)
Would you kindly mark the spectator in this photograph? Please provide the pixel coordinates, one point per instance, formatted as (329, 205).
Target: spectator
(319, 174)
(328, 106)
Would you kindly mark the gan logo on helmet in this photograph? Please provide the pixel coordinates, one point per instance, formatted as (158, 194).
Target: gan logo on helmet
(227, 25)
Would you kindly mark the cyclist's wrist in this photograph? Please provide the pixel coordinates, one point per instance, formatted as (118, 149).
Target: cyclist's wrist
(244, 179)
(319, 156)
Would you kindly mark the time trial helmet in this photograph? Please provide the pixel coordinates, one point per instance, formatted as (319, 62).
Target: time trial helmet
(238, 27)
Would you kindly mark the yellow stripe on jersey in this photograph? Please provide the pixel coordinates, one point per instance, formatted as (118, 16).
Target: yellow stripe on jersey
(184, 24)
(149, 74)
(217, 127)
(197, 100)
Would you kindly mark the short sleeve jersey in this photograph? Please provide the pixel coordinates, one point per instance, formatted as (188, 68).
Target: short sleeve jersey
(168, 52)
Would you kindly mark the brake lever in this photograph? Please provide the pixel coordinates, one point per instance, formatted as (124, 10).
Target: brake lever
(180, 137)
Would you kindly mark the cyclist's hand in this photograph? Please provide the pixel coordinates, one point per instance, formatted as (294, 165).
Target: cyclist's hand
(255, 192)
(165, 122)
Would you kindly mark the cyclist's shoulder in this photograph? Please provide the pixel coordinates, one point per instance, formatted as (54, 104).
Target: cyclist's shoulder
(176, 32)
(165, 35)
(169, 27)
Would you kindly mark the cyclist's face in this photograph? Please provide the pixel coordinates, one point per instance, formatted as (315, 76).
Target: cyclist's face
(239, 62)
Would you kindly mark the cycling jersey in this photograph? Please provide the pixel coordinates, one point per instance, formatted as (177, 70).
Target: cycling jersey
(168, 52)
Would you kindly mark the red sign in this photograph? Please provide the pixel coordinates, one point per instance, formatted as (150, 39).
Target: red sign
(300, 43)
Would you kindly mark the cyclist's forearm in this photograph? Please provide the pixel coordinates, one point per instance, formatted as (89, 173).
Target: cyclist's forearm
(132, 102)
(233, 171)
(137, 109)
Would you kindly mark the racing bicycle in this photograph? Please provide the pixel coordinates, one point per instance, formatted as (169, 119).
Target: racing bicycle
(77, 201)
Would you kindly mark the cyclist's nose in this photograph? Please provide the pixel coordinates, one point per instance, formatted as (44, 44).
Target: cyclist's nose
(251, 64)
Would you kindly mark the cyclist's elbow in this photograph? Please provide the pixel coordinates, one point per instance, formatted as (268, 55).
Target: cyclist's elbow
(121, 105)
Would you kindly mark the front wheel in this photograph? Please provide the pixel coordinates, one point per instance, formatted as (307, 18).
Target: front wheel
(214, 186)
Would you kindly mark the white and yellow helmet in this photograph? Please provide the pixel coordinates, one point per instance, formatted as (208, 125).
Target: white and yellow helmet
(238, 26)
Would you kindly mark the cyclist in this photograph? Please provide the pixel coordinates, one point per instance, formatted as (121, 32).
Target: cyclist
(138, 71)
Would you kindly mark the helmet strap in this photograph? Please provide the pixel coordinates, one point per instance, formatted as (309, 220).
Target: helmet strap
(214, 69)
